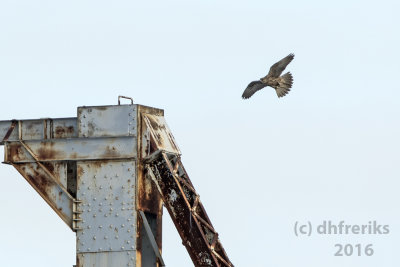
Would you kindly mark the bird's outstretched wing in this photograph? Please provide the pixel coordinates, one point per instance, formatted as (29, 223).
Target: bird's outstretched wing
(252, 88)
(277, 69)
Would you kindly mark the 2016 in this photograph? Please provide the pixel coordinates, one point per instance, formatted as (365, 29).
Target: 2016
(350, 250)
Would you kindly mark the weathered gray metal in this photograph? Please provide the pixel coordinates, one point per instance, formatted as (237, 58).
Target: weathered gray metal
(100, 170)
(86, 169)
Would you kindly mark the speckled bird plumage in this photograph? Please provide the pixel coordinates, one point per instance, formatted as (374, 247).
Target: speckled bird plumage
(281, 84)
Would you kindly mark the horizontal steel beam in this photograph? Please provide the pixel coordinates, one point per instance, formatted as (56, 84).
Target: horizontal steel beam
(71, 149)
(38, 129)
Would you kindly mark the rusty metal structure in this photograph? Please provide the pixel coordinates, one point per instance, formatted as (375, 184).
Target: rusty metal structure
(107, 173)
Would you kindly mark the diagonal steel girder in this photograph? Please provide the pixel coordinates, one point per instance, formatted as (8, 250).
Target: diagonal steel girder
(186, 210)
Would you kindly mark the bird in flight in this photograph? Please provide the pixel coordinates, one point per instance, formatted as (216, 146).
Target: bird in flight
(281, 84)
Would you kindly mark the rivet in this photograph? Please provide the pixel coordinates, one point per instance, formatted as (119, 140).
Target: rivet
(89, 227)
(88, 249)
(122, 248)
(106, 215)
(116, 237)
(128, 242)
(129, 230)
(94, 199)
(101, 187)
(94, 215)
(116, 215)
(105, 237)
(123, 225)
(94, 237)
(100, 226)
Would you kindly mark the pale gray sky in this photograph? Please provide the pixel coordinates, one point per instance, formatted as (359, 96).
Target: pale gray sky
(327, 151)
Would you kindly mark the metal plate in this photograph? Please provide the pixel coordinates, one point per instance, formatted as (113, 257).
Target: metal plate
(106, 259)
(107, 191)
(161, 133)
(104, 121)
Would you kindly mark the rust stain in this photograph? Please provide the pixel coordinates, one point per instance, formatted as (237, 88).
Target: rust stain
(49, 166)
(15, 152)
(110, 152)
(91, 128)
(63, 132)
(46, 151)
(80, 171)
(101, 108)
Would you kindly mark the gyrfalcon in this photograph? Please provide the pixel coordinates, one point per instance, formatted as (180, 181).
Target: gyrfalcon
(281, 84)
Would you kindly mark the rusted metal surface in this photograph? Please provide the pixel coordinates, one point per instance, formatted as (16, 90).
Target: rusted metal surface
(186, 211)
(92, 171)
(161, 134)
(63, 128)
(38, 129)
(102, 121)
(9, 131)
(148, 198)
(72, 149)
(60, 201)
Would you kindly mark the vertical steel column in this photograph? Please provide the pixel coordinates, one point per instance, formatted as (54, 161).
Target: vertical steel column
(106, 191)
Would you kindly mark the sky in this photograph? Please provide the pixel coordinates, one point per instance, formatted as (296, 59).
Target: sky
(328, 151)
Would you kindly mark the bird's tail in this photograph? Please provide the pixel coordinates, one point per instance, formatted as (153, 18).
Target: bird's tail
(285, 83)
